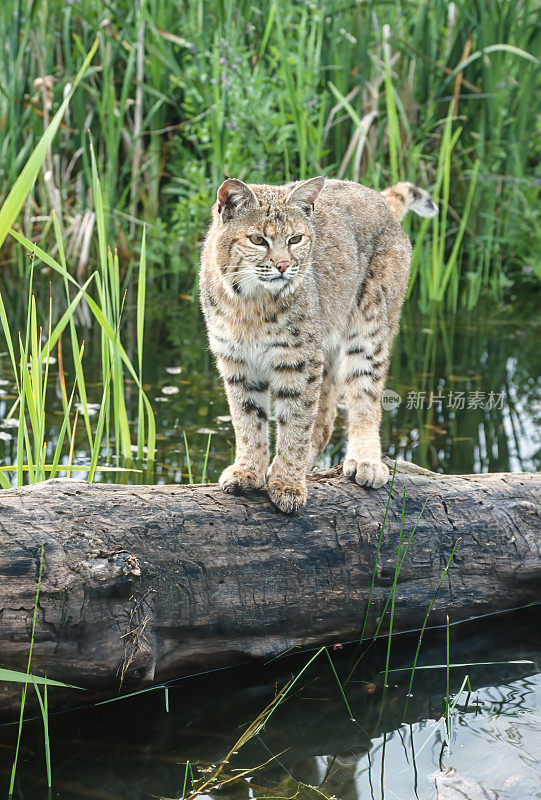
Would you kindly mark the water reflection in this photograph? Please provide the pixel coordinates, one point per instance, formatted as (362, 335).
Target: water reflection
(464, 395)
(312, 750)
(406, 762)
(479, 379)
(395, 766)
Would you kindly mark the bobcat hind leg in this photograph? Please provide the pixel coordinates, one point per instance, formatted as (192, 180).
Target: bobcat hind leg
(366, 359)
(326, 412)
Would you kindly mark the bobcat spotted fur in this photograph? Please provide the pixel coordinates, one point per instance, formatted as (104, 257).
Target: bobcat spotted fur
(301, 289)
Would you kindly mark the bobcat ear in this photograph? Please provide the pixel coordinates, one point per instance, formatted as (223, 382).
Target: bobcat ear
(306, 193)
(234, 196)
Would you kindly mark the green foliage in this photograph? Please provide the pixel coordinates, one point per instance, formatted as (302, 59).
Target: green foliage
(181, 94)
(31, 367)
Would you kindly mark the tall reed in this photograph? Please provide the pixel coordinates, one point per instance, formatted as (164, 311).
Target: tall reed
(182, 93)
(35, 347)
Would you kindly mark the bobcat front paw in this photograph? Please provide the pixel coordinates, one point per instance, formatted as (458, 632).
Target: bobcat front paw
(373, 474)
(236, 480)
(288, 496)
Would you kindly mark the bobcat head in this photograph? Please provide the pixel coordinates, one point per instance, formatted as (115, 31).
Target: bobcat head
(264, 237)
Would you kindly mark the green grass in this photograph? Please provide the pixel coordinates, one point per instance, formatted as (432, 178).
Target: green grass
(180, 94)
(423, 627)
(25, 678)
(30, 351)
(14, 676)
(400, 557)
(25, 685)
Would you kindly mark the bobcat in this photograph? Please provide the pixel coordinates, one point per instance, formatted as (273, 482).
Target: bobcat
(301, 289)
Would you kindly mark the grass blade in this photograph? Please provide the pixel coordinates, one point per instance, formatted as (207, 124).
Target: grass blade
(27, 678)
(22, 186)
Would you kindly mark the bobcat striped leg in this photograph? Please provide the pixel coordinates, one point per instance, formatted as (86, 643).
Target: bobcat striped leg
(249, 405)
(372, 329)
(296, 386)
(326, 411)
(365, 369)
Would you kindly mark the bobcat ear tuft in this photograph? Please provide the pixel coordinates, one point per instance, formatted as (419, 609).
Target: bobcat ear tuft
(306, 193)
(233, 197)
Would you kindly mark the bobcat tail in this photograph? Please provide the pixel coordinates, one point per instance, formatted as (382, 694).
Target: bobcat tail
(403, 197)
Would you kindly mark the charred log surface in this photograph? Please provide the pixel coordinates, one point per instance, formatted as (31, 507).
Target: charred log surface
(142, 583)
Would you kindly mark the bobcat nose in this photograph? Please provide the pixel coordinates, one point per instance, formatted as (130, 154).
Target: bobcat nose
(281, 266)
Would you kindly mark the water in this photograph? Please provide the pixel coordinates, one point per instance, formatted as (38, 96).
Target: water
(468, 389)
(477, 355)
(136, 749)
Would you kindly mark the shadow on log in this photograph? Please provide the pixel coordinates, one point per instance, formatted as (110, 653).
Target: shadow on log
(144, 583)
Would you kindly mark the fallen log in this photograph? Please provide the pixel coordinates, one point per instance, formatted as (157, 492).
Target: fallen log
(143, 583)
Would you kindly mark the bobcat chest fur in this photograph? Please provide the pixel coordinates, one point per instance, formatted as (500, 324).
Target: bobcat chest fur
(301, 288)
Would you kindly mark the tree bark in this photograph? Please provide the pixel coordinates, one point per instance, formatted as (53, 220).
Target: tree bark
(143, 583)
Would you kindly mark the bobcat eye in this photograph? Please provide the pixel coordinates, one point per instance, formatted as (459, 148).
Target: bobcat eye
(295, 239)
(256, 239)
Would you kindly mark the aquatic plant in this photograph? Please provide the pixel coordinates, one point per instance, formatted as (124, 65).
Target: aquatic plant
(181, 94)
(31, 365)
